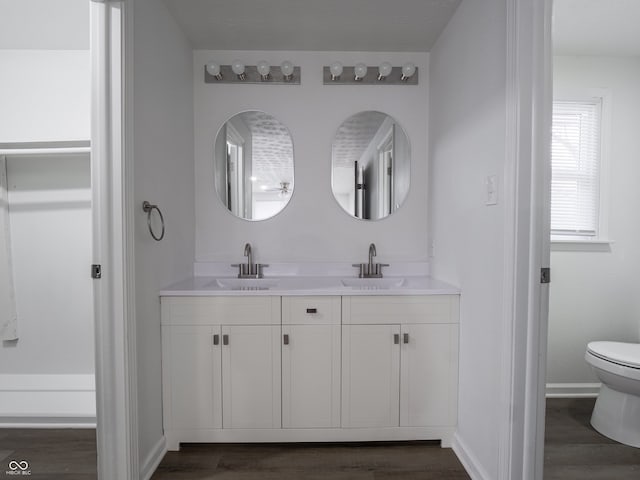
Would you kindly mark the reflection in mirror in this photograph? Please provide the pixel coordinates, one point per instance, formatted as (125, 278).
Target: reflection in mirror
(370, 165)
(253, 165)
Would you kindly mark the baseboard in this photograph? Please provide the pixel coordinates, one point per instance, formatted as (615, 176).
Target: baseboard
(572, 390)
(468, 460)
(47, 401)
(153, 459)
(48, 422)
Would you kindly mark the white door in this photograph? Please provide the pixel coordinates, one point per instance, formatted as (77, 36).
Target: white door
(370, 375)
(310, 376)
(251, 376)
(192, 375)
(429, 363)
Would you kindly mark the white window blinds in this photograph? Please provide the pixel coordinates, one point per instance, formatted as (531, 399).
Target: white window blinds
(575, 163)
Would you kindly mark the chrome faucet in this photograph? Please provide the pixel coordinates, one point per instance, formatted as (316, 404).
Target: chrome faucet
(249, 269)
(372, 253)
(247, 253)
(370, 270)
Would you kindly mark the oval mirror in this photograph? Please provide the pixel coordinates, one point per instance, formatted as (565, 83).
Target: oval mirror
(370, 165)
(253, 165)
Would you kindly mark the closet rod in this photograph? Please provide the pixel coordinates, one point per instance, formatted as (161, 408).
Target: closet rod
(45, 148)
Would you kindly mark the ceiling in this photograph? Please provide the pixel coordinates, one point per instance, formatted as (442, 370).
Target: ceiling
(596, 27)
(580, 27)
(318, 25)
(44, 24)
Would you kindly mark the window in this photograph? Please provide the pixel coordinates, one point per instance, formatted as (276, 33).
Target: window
(576, 170)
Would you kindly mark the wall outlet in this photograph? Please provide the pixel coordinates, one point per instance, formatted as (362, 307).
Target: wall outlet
(491, 183)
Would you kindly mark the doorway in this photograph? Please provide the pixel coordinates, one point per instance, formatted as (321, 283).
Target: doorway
(595, 261)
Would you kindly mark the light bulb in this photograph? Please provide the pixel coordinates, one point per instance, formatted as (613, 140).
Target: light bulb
(213, 69)
(238, 68)
(360, 71)
(408, 69)
(336, 70)
(263, 69)
(287, 69)
(384, 70)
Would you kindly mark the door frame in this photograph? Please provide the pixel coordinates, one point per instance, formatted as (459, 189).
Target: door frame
(527, 207)
(113, 229)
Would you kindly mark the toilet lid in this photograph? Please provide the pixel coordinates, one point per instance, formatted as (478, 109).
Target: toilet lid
(622, 353)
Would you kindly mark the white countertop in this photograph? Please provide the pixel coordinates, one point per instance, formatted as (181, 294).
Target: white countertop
(309, 285)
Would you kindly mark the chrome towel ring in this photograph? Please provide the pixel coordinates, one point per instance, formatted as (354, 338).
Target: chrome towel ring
(148, 208)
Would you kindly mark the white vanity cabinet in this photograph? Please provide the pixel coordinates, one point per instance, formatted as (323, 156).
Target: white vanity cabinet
(221, 365)
(399, 361)
(309, 368)
(311, 362)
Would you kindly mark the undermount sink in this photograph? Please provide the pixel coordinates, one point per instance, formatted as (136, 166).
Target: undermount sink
(373, 283)
(247, 283)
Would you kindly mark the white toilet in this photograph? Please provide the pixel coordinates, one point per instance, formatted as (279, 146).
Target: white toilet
(617, 410)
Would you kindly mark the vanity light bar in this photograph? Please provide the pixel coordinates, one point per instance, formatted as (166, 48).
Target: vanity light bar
(263, 73)
(361, 74)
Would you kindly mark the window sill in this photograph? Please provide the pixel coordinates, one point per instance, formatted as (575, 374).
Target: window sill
(581, 245)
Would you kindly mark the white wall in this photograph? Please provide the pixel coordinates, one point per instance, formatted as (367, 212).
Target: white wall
(467, 143)
(43, 24)
(50, 216)
(49, 371)
(594, 294)
(44, 95)
(313, 227)
(163, 171)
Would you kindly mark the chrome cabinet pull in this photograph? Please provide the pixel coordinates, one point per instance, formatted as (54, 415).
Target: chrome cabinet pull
(216, 339)
(225, 339)
(312, 310)
(396, 338)
(405, 338)
(285, 339)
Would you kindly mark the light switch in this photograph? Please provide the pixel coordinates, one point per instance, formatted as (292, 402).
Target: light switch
(492, 189)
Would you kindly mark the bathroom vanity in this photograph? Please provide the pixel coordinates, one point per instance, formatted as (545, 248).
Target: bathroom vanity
(303, 359)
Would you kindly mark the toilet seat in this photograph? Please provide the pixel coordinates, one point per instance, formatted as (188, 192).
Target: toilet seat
(620, 353)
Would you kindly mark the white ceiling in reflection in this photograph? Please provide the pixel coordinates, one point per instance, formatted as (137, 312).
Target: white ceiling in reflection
(354, 136)
(272, 150)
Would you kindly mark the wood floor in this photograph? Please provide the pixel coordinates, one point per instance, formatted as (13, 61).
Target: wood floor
(51, 454)
(420, 460)
(573, 450)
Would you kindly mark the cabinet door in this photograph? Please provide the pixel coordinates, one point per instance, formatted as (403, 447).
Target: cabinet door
(192, 377)
(310, 376)
(429, 365)
(370, 375)
(251, 376)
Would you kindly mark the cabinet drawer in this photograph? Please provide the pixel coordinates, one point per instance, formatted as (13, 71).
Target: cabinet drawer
(400, 309)
(220, 310)
(312, 310)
